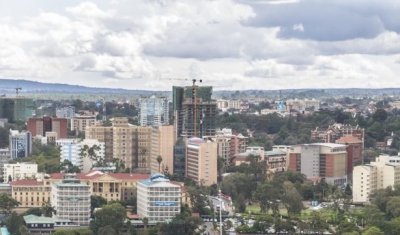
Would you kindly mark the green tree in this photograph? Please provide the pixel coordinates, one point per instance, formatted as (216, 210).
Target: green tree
(7, 203)
(97, 201)
(14, 222)
(373, 231)
(393, 207)
(113, 215)
(47, 209)
(33, 211)
(159, 160)
(23, 230)
(380, 115)
(107, 230)
(145, 221)
(292, 199)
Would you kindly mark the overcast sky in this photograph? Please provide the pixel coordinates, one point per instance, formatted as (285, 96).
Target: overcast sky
(232, 44)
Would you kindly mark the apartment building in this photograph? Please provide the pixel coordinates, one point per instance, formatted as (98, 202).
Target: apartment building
(4, 158)
(70, 149)
(66, 112)
(20, 144)
(201, 161)
(382, 173)
(158, 199)
(162, 144)
(320, 160)
(79, 123)
(20, 171)
(39, 126)
(276, 160)
(302, 105)
(228, 145)
(71, 199)
(129, 143)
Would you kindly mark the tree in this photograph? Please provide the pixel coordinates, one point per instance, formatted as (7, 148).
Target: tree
(7, 203)
(23, 230)
(97, 201)
(47, 209)
(159, 160)
(14, 222)
(107, 230)
(373, 231)
(393, 207)
(33, 211)
(113, 215)
(380, 115)
(292, 199)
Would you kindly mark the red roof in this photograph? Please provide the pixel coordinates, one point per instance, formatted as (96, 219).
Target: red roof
(349, 139)
(26, 182)
(96, 174)
(132, 216)
(183, 189)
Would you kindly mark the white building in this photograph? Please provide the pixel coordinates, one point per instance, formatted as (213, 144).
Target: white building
(4, 158)
(384, 172)
(20, 171)
(66, 112)
(158, 199)
(153, 111)
(71, 199)
(70, 150)
(20, 144)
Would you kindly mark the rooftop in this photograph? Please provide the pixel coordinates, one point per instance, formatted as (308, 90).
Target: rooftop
(349, 139)
(275, 152)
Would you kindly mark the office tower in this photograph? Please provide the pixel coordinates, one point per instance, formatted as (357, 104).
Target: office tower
(129, 143)
(194, 111)
(162, 144)
(201, 161)
(158, 199)
(320, 161)
(39, 126)
(20, 144)
(180, 158)
(71, 199)
(16, 108)
(153, 111)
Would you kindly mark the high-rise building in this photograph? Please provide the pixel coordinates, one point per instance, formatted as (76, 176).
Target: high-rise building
(20, 144)
(162, 144)
(153, 111)
(16, 108)
(39, 126)
(79, 123)
(158, 199)
(320, 160)
(71, 199)
(201, 161)
(194, 111)
(66, 112)
(129, 143)
(179, 158)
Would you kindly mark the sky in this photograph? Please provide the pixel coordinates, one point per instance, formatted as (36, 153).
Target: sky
(230, 44)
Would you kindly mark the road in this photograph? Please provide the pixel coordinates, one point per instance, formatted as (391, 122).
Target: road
(223, 203)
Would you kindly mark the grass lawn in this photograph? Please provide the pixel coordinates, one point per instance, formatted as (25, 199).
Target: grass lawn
(255, 209)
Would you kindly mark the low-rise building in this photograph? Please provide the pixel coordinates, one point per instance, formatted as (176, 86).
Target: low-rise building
(19, 171)
(158, 199)
(46, 225)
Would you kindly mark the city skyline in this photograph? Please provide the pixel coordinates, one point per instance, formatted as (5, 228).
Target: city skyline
(230, 44)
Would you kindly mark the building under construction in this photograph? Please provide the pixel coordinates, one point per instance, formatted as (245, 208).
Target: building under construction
(16, 108)
(194, 111)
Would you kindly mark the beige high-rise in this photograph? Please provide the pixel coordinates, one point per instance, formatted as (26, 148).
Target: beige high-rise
(201, 161)
(162, 144)
(129, 143)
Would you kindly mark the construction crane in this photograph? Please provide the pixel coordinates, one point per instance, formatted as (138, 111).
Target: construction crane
(17, 89)
(194, 99)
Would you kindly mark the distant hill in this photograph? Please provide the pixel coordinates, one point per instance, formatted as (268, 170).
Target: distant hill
(7, 86)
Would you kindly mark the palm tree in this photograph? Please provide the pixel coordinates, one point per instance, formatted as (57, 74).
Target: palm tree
(159, 160)
(47, 209)
(145, 221)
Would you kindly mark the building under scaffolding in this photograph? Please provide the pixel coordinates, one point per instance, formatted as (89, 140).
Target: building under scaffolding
(194, 115)
(16, 108)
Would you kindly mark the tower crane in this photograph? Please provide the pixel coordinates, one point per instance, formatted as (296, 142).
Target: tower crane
(194, 99)
(17, 89)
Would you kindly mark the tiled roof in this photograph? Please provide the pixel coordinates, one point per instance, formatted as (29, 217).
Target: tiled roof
(94, 175)
(26, 182)
(349, 139)
(128, 176)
